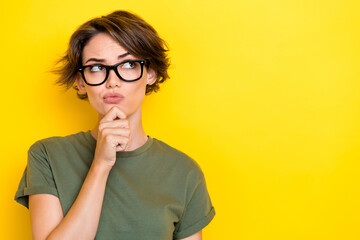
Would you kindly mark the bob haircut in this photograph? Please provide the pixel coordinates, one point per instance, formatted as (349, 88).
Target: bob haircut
(138, 37)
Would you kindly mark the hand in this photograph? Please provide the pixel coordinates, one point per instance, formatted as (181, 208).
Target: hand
(113, 136)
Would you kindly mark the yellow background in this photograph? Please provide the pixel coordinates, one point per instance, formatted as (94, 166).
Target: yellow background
(264, 94)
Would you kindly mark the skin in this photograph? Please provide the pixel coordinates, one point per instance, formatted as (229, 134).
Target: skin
(119, 129)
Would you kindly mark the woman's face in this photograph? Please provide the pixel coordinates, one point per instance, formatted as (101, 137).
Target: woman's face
(128, 96)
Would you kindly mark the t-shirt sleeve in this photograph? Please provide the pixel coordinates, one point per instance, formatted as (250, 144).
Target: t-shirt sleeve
(198, 212)
(37, 177)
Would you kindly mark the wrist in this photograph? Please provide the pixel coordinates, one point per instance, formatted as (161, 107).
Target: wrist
(101, 166)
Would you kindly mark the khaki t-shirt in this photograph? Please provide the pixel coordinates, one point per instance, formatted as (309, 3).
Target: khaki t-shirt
(154, 192)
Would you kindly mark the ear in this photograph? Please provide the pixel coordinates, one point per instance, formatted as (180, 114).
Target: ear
(151, 76)
(80, 83)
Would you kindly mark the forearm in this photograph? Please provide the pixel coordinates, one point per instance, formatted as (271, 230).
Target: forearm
(82, 220)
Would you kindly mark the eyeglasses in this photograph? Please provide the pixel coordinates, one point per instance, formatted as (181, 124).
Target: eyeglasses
(128, 71)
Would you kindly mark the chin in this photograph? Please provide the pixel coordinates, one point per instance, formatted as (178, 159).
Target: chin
(103, 110)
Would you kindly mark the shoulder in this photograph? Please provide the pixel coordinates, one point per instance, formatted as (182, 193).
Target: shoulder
(176, 158)
(61, 142)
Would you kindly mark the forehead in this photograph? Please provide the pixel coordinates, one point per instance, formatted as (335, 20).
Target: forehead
(102, 46)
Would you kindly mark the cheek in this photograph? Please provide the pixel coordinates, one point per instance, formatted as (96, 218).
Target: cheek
(138, 93)
(94, 100)
(139, 87)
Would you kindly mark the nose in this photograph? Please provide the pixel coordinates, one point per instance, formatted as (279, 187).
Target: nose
(113, 80)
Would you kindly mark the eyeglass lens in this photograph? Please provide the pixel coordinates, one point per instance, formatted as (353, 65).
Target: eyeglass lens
(96, 74)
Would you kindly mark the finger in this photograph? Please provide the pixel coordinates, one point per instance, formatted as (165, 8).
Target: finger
(115, 132)
(115, 141)
(120, 148)
(114, 124)
(113, 114)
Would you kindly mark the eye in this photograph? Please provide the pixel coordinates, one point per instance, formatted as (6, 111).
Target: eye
(96, 68)
(129, 65)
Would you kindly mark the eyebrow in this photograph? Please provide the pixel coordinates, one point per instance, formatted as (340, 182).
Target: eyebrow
(103, 60)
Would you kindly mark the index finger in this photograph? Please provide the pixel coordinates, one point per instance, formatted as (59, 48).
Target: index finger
(113, 114)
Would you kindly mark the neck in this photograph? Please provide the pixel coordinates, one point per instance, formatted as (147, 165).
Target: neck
(137, 135)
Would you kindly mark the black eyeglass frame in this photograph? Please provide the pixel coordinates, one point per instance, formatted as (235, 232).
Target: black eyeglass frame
(114, 67)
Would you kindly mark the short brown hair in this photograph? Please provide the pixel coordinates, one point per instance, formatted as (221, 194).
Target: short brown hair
(138, 37)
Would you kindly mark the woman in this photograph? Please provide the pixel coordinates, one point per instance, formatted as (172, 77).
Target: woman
(114, 182)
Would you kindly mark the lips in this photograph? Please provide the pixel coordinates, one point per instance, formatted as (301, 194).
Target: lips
(113, 98)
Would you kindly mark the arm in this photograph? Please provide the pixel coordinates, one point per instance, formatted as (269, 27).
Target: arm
(196, 236)
(81, 222)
